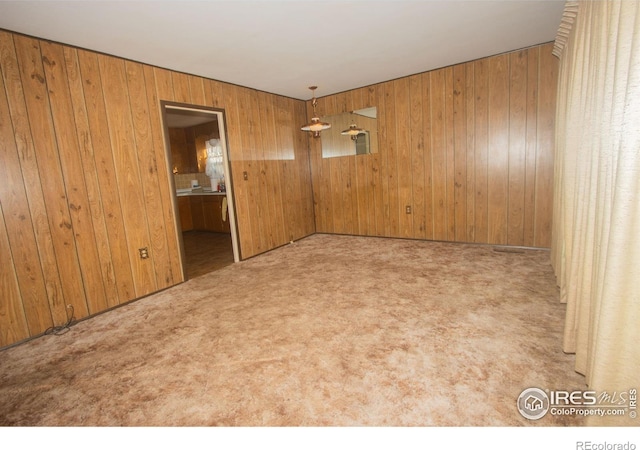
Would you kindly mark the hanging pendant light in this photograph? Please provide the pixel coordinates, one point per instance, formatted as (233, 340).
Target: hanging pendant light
(352, 131)
(316, 125)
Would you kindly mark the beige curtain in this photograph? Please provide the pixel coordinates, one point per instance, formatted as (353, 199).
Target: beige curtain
(596, 223)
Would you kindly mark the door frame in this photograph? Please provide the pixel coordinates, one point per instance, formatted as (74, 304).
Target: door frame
(220, 117)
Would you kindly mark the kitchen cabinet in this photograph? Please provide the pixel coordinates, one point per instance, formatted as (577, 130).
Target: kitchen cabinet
(197, 213)
(212, 207)
(202, 213)
(184, 209)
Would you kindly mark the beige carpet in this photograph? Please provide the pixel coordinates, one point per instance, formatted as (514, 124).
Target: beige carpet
(331, 330)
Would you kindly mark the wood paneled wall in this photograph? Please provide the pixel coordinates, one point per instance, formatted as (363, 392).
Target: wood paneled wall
(468, 148)
(84, 181)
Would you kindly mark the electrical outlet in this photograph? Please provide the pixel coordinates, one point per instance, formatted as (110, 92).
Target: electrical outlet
(144, 252)
(408, 209)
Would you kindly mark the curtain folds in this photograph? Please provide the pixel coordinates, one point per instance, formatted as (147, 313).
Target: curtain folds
(566, 25)
(596, 223)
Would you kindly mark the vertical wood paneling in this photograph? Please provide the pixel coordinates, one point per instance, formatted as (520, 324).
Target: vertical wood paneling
(383, 223)
(282, 151)
(91, 176)
(217, 93)
(471, 155)
(350, 196)
(404, 156)
(417, 167)
(272, 188)
(252, 165)
(531, 147)
(208, 94)
(390, 147)
(86, 182)
(163, 84)
(74, 176)
(428, 154)
(164, 185)
(181, 88)
(144, 144)
(371, 168)
(296, 165)
(460, 152)
(498, 148)
(335, 173)
(159, 85)
(449, 153)
(239, 165)
(106, 173)
(52, 181)
(438, 155)
(33, 188)
(130, 189)
(468, 147)
(323, 200)
(196, 88)
(517, 146)
(13, 323)
(25, 280)
(260, 191)
(481, 199)
(359, 199)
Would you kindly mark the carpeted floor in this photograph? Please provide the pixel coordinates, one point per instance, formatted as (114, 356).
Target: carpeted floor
(328, 331)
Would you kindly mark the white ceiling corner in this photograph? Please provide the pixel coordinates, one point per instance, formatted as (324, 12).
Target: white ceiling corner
(285, 46)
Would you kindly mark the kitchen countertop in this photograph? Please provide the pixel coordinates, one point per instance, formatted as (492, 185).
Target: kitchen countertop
(200, 191)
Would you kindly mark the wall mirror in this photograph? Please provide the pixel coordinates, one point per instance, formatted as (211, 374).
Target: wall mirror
(351, 133)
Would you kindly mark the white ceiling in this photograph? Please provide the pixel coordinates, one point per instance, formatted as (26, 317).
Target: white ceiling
(285, 46)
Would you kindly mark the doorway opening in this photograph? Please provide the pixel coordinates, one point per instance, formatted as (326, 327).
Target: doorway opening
(198, 160)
